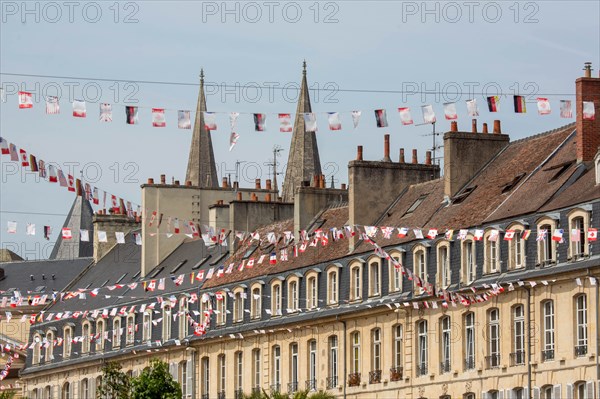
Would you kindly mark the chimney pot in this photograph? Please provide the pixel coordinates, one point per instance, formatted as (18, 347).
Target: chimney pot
(497, 129)
(588, 70)
(454, 126)
(236, 185)
(188, 183)
(359, 153)
(322, 182)
(402, 156)
(239, 196)
(224, 182)
(474, 126)
(428, 158)
(485, 128)
(257, 184)
(177, 182)
(150, 180)
(386, 148)
(269, 186)
(414, 157)
(163, 179)
(343, 186)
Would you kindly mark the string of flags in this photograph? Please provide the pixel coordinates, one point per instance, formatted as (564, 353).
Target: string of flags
(158, 115)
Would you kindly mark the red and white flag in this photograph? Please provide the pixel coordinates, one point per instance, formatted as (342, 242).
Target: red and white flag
(11, 227)
(575, 235)
(543, 105)
(478, 235)
(450, 111)
(509, 235)
(183, 120)
(285, 123)
(66, 233)
(381, 118)
(14, 154)
(472, 108)
(131, 115)
(158, 117)
(114, 203)
(176, 226)
(4, 146)
(71, 183)
(566, 110)
(260, 122)
(428, 114)
(233, 139)
(334, 121)
(557, 235)
(210, 121)
(310, 122)
(273, 258)
(25, 100)
(589, 113)
(79, 110)
(432, 234)
(105, 112)
(52, 176)
(52, 106)
(24, 158)
(62, 180)
(592, 234)
(405, 116)
(233, 119)
(356, 118)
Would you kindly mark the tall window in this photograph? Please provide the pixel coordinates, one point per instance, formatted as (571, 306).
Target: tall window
(130, 325)
(492, 254)
(255, 304)
(581, 336)
(375, 375)
(446, 337)
(239, 371)
(332, 287)
(469, 341)
(422, 354)
(548, 326)
(443, 266)
(182, 376)
(256, 367)
(293, 367)
(276, 368)
(374, 278)
(182, 327)
(355, 362)
(166, 323)
(395, 272)
(37, 344)
(312, 294)
(494, 338)
(66, 391)
(85, 336)
(84, 390)
(100, 330)
(545, 244)
(147, 326)
(221, 380)
(355, 283)
(578, 238)
(116, 335)
(468, 256)
(293, 296)
(205, 376)
(68, 341)
(312, 365)
(397, 346)
(276, 299)
(516, 250)
(221, 309)
(420, 269)
(238, 307)
(332, 381)
(518, 356)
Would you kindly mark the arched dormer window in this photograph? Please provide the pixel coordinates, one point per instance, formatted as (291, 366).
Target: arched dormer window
(312, 289)
(546, 246)
(333, 277)
(579, 222)
(468, 260)
(491, 242)
(443, 275)
(374, 276)
(395, 271)
(356, 281)
(516, 246)
(420, 268)
(293, 293)
(255, 301)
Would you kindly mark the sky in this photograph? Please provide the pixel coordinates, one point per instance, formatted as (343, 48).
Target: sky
(361, 55)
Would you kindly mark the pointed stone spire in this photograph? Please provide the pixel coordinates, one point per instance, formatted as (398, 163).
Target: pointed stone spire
(201, 169)
(303, 161)
(80, 217)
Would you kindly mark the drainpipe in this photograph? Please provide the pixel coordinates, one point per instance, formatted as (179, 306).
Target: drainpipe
(345, 355)
(597, 335)
(530, 388)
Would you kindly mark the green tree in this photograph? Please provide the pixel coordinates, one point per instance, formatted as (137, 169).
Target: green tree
(115, 383)
(155, 382)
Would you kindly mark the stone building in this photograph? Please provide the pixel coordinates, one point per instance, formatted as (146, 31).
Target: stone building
(496, 318)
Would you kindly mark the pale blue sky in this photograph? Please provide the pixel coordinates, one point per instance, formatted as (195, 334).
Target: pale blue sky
(534, 48)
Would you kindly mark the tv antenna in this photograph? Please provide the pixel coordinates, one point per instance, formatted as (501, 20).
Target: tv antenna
(277, 149)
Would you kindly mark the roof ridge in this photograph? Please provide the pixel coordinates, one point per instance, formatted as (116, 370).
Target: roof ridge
(542, 134)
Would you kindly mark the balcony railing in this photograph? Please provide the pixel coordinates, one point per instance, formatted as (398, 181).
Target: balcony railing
(311, 385)
(469, 363)
(547, 355)
(517, 358)
(581, 350)
(375, 377)
(492, 361)
(221, 395)
(396, 373)
(332, 382)
(275, 388)
(292, 386)
(421, 369)
(445, 367)
(353, 379)
(204, 396)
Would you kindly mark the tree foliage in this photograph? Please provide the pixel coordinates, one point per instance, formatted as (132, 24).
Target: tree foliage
(115, 383)
(155, 382)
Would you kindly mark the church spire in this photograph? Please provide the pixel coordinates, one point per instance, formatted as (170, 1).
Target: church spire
(80, 217)
(303, 161)
(201, 168)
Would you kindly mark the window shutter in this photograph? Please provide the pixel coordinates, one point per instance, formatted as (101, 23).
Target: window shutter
(556, 391)
(501, 394)
(509, 394)
(191, 380)
(92, 387)
(485, 395)
(569, 391)
(75, 390)
(525, 392)
(589, 386)
(173, 370)
(536, 393)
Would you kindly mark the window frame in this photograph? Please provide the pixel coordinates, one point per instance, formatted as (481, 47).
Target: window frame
(256, 302)
(374, 267)
(581, 321)
(183, 324)
(356, 281)
(100, 333)
(578, 249)
(167, 327)
(312, 290)
(468, 260)
(130, 329)
(395, 273)
(492, 253)
(147, 325)
(517, 254)
(276, 295)
(546, 246)
(67, 341)
(469, 342)
(293, 294)
(116, 332)
(420, 268)
(444, 271)
(333, 287)
(548, 326)
(355, 354)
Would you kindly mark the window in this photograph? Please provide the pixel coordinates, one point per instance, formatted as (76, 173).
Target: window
(546, 246)
(66, 391)
(355, 283)
(68, 341)
(470, 341)
(221, 381)
(578, 240)
(312, 292)
(420, 267)
(446, 339)
(415, 205)
(182, 376)
(311, 384)
(422, 347)
(49, 345)
(276, 299)
(493, 360)
(395, 272)
(597, 170)
(293, 368)
(332, 287)
(355, 354)
(255, 308)
(147, 326)
(221, 308)
(376, 350)
(468, 261)
(100, 338)
(443, 259)
(256, 368)
(583, 390)
(293, 296)
(37, 344)
(276, 367)
(166, 323)
(183, 318)
(581, 334)
(85, 336)
(397, 347)
(205, 376)
(239, 371)
(547, 392)
(548, 328)
(116, 332)
(516, 248)
(492, 251)
(375, 278)
(238, 306)
(518, 355)
(47, 392)
(130, 325)
(332, 380)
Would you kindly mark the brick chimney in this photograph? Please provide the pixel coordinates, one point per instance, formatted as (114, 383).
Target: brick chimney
(587, 88)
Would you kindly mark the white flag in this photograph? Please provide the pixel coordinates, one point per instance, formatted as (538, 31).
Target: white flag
(356, 118)
(183, 119)
(334, 121)
(233, 119)
(2, 95)
(233, 138)
(543, 105)
(30, 229)
(472, 108)
(79, 110)
(210, 121)
(102, 236)
(52, 106)
(310, 122)
(428, 114)
(450, 111)
(285, 123)
(589, 113)
(84, 235)
(405, 116)
(120, 236)
(565, 109)
(105, 112)
(158, 117)
(138, 238)
(11, 227)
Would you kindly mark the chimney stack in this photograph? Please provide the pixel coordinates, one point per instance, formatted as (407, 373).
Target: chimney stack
(401, 159)
(454, 126)
(269, 185)
(415, 159)
(587, 89)
(163, 179)
(428, 158)
(224, 183)
(239, 196)
(386, 148)
(474, 126)
(343, 186)
(150, 180)
(359, 153)
(485, 128)
(497, 129)
(257, 184)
